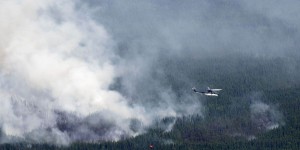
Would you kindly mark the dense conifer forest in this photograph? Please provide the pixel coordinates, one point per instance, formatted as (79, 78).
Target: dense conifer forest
(228, 121)
(119, 74)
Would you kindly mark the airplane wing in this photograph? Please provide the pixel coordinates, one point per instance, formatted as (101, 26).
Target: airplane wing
(215, 90)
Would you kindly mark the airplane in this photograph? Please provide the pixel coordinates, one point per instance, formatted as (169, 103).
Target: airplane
(209, 91)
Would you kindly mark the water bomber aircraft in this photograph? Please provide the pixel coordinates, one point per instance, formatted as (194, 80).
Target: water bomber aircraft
(208, 92)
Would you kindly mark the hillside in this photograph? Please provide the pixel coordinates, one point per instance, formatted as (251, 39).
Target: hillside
(258, 108)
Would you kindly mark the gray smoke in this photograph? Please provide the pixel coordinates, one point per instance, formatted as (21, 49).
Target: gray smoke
(106, 70)
(256, 114)
(59, 62)
(162, 45)
(265, 116)
(58, 67)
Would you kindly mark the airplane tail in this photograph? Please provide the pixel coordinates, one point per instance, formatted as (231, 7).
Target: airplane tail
(194, 89)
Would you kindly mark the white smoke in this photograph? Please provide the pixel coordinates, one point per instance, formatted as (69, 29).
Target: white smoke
(56, 69)
(49, 66)
(265, 116)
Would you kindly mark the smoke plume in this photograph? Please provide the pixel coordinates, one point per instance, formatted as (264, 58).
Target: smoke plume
(74, 70)
(57, 69)
(264, 116)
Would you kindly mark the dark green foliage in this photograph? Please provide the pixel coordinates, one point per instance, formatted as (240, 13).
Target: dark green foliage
(227, 120)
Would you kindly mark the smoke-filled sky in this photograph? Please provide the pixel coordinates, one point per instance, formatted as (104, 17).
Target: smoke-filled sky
(100, 70)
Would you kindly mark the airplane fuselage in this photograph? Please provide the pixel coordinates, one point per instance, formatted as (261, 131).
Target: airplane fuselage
(209, 92)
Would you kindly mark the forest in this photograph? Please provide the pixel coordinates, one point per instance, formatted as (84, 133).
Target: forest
(257, 109)
(117, 74)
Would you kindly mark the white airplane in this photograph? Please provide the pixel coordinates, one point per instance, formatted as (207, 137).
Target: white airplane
(209, 91)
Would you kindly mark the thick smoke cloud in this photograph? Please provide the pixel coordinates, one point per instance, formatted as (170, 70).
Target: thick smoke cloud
(106, 70)
(58, 67)
(54, 64)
